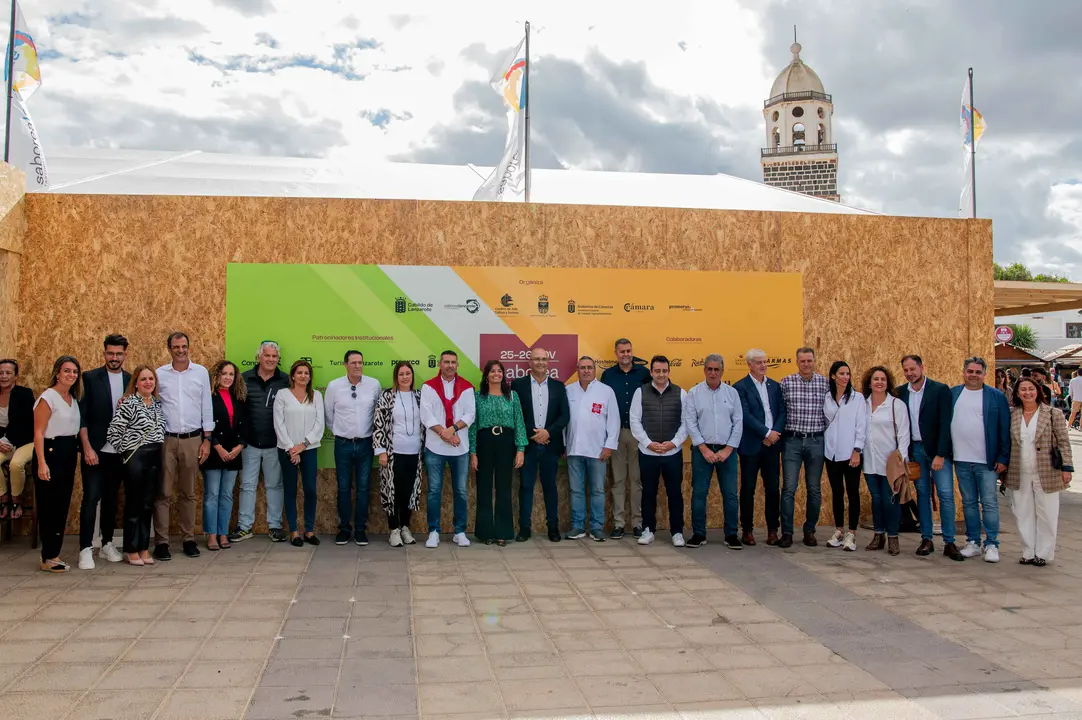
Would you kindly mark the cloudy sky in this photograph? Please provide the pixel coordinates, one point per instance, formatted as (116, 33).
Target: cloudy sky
(660, 87)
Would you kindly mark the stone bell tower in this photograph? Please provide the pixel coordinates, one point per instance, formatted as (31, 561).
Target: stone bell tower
(800, 153)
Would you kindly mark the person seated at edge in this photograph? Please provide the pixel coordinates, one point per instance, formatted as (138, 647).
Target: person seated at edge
(137, 433)
(228, 394)
(299, 423)
(56, 450)
(497, 445)
(16, 438)
(399, 438)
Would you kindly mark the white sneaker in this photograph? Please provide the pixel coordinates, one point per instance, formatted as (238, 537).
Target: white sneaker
(396, 538)
(835, 539)
(971, 549)
(647, 537)
(850, 542)
(110, 553)
(433, 539)
(461, 540)
(991, 554)
(678, 540)
(407, 536)
(86, 559)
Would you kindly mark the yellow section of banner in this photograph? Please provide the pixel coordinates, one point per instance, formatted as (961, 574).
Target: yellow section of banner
(683, 315)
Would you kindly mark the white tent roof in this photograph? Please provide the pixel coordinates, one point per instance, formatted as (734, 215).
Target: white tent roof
(146, 172)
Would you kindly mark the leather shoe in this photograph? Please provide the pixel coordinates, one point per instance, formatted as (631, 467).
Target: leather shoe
(892, 546)
(951, 551)
(786, 540)
(161, 552)
(748, 538)
(522, 537)
(927, 548)
(191, 549)
(554, 535)
(772, 537)
(809, 539)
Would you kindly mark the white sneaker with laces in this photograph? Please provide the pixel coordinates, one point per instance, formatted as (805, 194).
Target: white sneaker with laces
(461, 540)
(86, 559)
(407, 536)
(850, 542)
(678, 540)
(110, 553)
(835, 539)
(647, 537)
(971, 549)
(433, 539)
(396, 538)
(991, 554)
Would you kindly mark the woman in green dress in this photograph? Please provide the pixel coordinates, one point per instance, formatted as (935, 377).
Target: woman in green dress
(497, 441)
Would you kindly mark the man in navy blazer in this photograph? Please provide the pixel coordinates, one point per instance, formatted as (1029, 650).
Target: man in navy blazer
(760, 446)
(981, 442)
(541, 395)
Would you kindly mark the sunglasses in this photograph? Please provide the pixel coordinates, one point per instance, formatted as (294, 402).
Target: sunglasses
(354, 389)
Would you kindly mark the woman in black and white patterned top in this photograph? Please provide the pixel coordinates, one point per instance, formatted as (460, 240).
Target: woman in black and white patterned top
(137, 431)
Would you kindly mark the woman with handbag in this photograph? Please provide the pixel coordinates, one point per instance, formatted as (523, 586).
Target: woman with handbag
(137, 431)
(885, 448)
(1041, 467)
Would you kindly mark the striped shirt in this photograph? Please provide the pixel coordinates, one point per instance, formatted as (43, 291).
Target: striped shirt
(135, 424)
(804, 403)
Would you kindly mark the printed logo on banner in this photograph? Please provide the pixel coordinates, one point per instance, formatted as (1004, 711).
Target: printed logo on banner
(506, 300)
(637, 307)
(431, 361)
(685, 308)
(676, 362)
(563, 353)
(393, 363)
(543, 304)
(571, 306)
(771, 362)
(402, 305)
(472, 306)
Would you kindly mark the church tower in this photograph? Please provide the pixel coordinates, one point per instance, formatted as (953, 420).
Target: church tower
(800, 153)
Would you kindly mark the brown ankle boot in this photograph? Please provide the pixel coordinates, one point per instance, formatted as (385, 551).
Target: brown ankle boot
(877, 543)
(892, 546)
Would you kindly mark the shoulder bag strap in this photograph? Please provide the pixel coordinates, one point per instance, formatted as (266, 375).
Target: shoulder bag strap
(894, 420)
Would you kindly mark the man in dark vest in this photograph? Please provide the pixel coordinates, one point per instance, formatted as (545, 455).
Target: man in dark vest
(657, 422)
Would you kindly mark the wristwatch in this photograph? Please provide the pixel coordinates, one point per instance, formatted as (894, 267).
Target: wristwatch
(305, 443)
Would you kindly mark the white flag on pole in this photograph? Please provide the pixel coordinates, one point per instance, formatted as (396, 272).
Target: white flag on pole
(508, 180)
(27, 75)
(969, 117)
(25, 150)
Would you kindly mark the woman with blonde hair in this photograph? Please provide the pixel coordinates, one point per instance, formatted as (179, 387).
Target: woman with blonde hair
(220, 469)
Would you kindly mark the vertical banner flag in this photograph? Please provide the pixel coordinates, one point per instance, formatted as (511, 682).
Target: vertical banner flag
(27, 73)
(508, 179)
(971, 125)
(25, 150)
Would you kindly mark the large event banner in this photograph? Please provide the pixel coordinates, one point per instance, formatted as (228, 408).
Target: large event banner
(407, 312)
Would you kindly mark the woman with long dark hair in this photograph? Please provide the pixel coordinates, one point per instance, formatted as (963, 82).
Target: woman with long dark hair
(888, 431)
(497, 443)
(56, 449)
(228, 394)
(298, 424)
(398, 436)
(847, 424)
(1002, 383)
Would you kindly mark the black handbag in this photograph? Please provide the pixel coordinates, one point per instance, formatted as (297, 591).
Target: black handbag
(1057, 458)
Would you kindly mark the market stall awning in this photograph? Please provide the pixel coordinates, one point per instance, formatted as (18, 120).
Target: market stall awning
(1028, 298)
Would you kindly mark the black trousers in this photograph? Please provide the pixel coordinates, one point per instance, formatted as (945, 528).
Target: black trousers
(767, 462)
(495, 470)
(54, 495)
(142, 478)
(844, 482)
(405, 475)
(101, 483)
(670, 468)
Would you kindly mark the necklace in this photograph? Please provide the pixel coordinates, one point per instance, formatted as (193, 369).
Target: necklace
(411, 422)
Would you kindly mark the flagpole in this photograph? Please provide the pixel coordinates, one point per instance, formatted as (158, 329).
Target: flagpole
(972, 144)
(526, 92)
(11, 78)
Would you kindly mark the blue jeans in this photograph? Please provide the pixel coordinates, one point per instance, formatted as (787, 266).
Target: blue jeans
(978, 485)
(307, 468)
(580, 470)
(886, 513)
(460, 467)
(218, 500)
(944, 488)
(808, 452)
(537, 459)
(254, 459)
(701, 474)
(353, 461)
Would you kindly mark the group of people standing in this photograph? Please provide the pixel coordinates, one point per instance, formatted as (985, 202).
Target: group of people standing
(154, 430)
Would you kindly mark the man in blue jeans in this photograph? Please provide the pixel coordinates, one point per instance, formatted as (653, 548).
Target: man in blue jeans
(981, 442)
(592, 435)
(447, 410)
(805, 426)
(714, 420)
(930, 405)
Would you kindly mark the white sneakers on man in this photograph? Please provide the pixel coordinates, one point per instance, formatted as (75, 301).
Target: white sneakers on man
(991, 554)
(972, 549)
(110, 553)
(433, 539)
(407, 536)
(647, 537)
(396, 538)
(86, 559)
(461, 540)
(678, 540)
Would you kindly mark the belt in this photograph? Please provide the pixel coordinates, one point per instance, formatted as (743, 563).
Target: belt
(184, 436)
(346, 439)
(498, 429)
(714, 447)
(803, 435)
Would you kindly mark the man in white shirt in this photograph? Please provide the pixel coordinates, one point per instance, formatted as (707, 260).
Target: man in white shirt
(657, 422)
(184, 389)
(592, 435)
(447, 411)
(350, 408)
(1075, 390)
(715, 422)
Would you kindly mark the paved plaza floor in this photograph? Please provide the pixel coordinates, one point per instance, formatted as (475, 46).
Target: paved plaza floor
(573, 629)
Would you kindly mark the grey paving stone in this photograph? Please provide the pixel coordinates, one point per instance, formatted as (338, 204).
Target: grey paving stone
(378, 671)
(295, 701)
(376, 700)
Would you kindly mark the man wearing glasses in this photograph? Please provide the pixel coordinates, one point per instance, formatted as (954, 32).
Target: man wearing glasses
(350, 407)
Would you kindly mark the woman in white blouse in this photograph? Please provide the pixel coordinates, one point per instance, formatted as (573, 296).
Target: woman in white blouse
(56, 448)
(888, 430)
(298, 423)
(399, 439)
(847, 422)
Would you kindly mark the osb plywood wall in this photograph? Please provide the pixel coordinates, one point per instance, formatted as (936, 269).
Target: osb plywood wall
(874, 287)
(12, 236)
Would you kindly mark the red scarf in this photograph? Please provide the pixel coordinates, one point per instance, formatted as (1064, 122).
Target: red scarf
(461, 385)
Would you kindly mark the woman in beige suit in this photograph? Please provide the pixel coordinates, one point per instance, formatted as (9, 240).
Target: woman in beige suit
(1037, 431)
